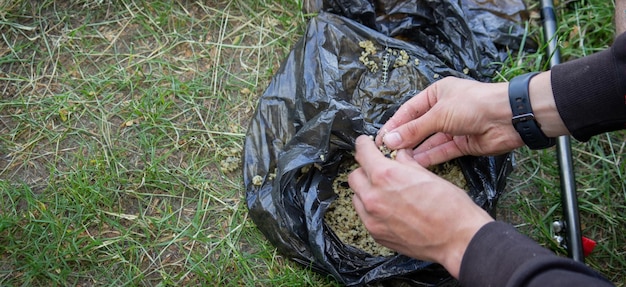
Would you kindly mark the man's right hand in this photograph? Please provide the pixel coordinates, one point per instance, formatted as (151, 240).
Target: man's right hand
(451, 118)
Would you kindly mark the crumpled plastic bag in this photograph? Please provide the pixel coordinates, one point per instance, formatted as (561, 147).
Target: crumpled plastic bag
(324, 96)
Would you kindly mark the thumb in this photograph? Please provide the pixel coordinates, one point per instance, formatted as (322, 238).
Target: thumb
(412, 133)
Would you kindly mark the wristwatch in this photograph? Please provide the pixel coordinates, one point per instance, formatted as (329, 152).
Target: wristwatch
(523, 118)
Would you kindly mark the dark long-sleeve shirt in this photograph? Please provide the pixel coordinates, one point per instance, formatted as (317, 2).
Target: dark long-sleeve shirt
(498, 255)
(590, 94)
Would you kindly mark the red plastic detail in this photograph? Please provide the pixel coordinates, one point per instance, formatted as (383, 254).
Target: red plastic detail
(588, 246)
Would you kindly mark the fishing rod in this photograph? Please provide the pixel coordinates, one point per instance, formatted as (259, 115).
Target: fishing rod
(570, 225)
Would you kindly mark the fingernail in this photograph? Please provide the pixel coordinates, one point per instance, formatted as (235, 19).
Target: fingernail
(392, 139)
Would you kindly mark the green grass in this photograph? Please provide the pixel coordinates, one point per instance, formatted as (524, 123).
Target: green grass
(116, 118)
(599, 164)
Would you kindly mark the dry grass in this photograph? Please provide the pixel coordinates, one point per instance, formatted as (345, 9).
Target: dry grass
(116, 118)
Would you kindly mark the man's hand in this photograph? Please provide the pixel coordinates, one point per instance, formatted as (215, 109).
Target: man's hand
(409, 209)
(451, 118)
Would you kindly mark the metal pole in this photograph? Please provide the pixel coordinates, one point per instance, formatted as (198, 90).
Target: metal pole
(573, 238)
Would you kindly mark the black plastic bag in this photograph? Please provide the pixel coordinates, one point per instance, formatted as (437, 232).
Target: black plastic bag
(323, 97)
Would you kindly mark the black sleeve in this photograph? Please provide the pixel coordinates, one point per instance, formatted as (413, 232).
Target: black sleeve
(590, 92)
(498, 255)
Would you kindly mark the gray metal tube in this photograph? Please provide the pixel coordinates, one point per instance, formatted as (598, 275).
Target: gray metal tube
(573, 238)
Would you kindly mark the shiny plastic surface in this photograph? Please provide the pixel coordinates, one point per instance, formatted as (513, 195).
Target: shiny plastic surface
(323, 97)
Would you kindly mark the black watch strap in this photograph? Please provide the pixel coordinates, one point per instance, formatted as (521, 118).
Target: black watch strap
(523, 117)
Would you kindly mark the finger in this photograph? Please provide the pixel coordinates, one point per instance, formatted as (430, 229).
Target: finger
(368, 221)
(371, 223)
(358, 180)
(359, 207)
(405, 156)
(412, 109)
(433, 141)
(412, 133)
(438, 154)
(367, 154)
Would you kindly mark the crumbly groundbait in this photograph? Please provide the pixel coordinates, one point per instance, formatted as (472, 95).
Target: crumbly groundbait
(388, 152)
(402, 60)
(368, 46)
(345, 222)
(369, 50)
(452, 173)
(399, 58)
(257, 180)
(232, 160)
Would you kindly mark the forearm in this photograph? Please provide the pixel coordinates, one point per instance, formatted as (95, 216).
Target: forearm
(583, 97)
(500, 256)
(589, 92)
(544, 106)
